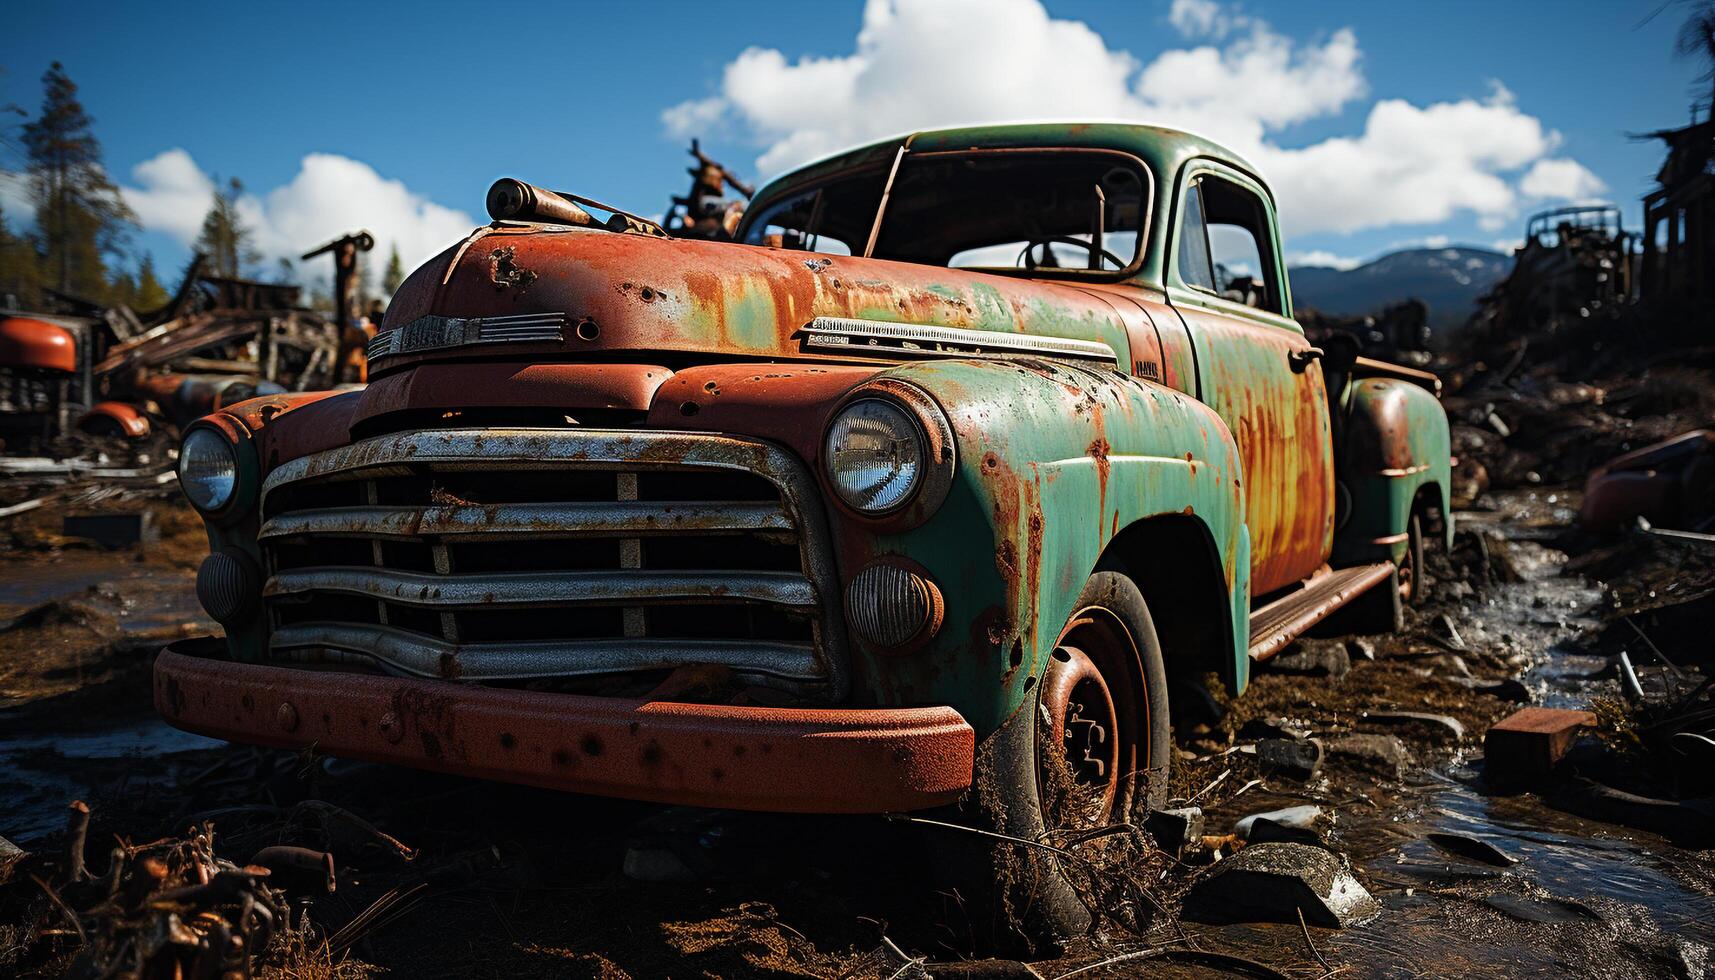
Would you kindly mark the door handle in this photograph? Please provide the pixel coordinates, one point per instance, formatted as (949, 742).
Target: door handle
(1300, 359)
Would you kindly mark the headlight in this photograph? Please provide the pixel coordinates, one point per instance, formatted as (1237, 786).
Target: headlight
(208, 469)
(875, 456)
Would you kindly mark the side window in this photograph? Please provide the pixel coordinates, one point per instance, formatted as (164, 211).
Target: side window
(1240, 248)
(1194, 265)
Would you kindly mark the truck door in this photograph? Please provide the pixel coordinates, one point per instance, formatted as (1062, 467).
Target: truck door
(1227, 283)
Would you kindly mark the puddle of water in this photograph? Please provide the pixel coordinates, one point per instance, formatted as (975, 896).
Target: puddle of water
(145, 600)
(1627, 879)
(40, 773)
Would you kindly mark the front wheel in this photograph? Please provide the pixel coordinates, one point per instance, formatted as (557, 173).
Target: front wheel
(1090, 750)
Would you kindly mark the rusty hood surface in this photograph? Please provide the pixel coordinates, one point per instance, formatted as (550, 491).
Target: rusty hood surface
(708, 300)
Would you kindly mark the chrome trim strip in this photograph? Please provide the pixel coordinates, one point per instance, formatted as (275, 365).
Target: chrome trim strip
(534, 589)
(431, 332)
(548, 449)
(424, 656)
(850, 334)
(592, 519)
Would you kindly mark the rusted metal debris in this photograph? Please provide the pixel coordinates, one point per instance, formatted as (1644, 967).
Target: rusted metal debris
(705, 212)
(166, 908)
(81, 371)
(1577, 264)
(1670, 483)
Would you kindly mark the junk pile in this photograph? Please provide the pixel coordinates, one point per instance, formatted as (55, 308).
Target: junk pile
(176, 907)
(82, 381)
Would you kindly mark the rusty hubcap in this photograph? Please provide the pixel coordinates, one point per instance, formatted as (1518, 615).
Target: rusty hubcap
(1078, 761)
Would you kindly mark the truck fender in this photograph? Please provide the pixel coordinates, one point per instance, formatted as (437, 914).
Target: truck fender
(1396, 449)
(1054, 461)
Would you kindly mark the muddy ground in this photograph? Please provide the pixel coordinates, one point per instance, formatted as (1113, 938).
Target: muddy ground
(491, 880)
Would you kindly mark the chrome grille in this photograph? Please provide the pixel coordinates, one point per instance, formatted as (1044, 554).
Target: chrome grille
(509, 553)
(428, 333)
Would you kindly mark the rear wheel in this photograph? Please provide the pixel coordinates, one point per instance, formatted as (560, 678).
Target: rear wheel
(1090, 750)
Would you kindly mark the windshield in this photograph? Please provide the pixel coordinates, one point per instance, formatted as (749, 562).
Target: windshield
(1001, 211)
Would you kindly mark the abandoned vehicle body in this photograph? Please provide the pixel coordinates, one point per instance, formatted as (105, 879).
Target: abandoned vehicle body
(924, 493)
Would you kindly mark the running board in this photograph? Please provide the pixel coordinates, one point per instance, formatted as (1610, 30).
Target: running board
(1285, 619)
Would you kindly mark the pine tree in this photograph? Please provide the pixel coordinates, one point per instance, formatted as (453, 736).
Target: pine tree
(79, 213)
(224, 238)
(395, 275)
(20, 270)
(151, 295)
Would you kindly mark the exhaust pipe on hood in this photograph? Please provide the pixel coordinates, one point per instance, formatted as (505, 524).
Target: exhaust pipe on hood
(513, 200)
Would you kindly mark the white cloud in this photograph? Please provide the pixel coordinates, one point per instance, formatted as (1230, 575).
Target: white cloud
(329, 196)
(1561, 178)
(1321, 259)
(1408, 164)
(1202, 18)
(172, 194)
(15, 203)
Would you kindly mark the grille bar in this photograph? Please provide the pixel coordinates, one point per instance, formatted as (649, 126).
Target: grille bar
(414, 653)
(548, 449)
(591, 519)
(511, 552)
(510, 589)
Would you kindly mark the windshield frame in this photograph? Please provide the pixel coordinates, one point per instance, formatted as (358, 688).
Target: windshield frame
(1146, 216)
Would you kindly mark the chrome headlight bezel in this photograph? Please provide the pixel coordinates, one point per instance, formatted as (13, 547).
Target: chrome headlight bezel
(936, 452)
(243, 472)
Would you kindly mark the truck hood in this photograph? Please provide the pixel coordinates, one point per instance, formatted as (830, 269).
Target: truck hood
(632, 293)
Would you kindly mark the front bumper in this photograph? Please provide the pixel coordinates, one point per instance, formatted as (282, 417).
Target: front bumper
(802, 760)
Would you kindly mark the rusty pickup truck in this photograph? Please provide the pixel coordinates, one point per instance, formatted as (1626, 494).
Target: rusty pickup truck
(924, 493)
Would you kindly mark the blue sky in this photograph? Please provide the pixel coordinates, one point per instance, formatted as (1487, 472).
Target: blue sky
(402, 114)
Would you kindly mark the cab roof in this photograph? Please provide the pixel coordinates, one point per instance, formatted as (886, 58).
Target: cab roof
(1163, 149)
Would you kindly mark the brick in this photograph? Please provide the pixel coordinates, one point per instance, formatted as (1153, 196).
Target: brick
(1524, 747)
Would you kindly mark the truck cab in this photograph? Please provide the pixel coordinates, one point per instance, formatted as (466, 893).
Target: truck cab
(960, 473)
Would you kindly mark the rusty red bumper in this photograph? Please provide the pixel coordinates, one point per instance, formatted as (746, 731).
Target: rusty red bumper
(827, 760)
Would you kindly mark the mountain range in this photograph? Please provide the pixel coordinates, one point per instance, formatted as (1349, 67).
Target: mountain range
(1449, 280)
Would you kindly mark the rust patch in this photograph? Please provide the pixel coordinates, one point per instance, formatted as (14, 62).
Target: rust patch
(505, 272)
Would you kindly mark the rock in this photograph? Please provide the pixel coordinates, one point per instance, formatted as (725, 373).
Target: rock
(1312, 658)
(1296, 817)
(1506, 688)
(1444, 727)
(1382, 754)
(1444, 632)
(1360, 648)
(1452, 666)
(1173, 830)
(1294, 758)
(1524, 747)
(1274, 883)
(655, 864)
(985, 970)
(1258, 729)
(1266, 831)
(1546, 909)
(1688, 822)
(1472, 848)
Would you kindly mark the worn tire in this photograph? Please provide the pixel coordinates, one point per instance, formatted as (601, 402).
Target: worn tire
(1017, 899)
(1415, 589)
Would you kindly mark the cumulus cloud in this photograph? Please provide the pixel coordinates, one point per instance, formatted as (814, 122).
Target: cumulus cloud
(329, 196)
(1240, 82)
(1563, 179)
(171, 194)
(1321, 259)
(1201, 18)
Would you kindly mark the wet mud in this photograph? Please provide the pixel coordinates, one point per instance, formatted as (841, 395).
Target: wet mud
(508, 881)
